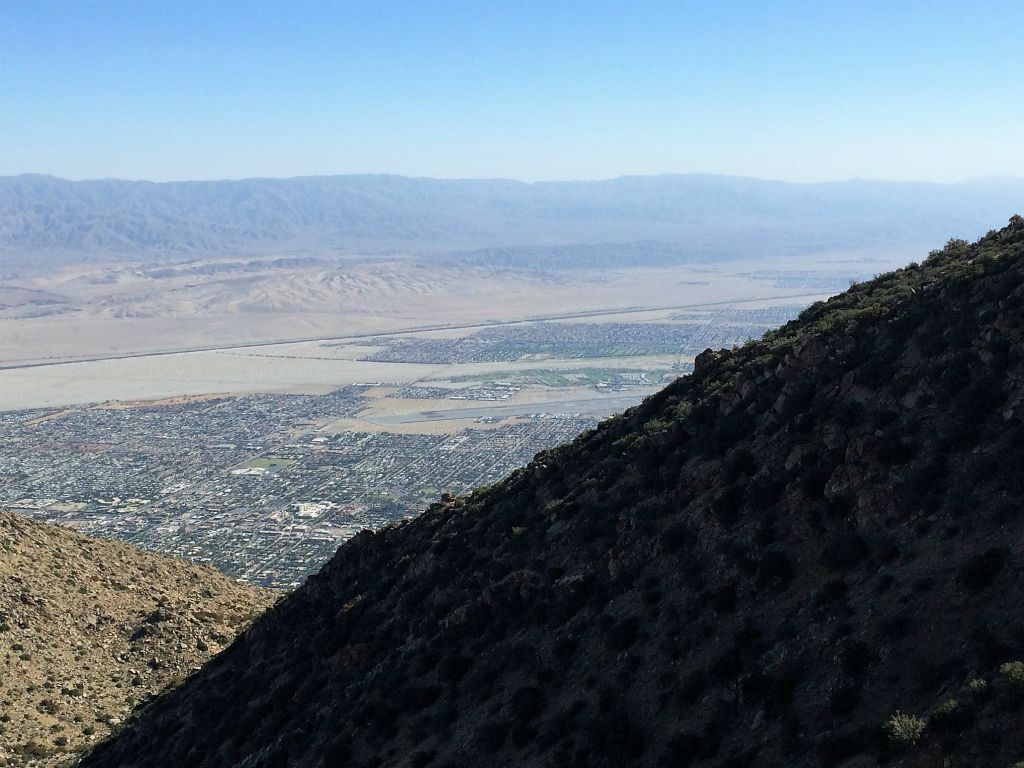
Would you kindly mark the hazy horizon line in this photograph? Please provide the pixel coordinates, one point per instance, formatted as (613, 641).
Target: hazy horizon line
(525, 182)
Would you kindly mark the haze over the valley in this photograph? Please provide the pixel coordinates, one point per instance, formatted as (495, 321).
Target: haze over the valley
(113, 269)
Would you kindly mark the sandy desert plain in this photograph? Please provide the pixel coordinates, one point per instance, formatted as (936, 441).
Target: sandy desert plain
(203, 407)
(84, 333)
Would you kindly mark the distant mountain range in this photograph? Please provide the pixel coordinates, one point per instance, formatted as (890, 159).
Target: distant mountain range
(695, 215)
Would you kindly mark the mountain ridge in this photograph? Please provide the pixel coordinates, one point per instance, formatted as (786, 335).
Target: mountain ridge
(807, 553)
(538, 182)
(720, 214)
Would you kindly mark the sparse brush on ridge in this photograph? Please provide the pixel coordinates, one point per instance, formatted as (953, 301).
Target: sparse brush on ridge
(92, 629)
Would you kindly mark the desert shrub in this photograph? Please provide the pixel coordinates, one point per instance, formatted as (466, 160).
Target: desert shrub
(929, 477)
(454, 668)
(723, 599)
(835, 747)
(422, 759)
(1013, 671)
(766, 532)
(677, 537)
(763, 492)
(928, 673)
(621, 635)
(885, 583)
(491, 736)
(651, 596)
(564, 649)
(844, 698)
(526, 703)
(413, 697)
(843, 549)
(47, 706)
(950, 717)
(923, 584)
(978, 687)
(849, 413)
(755, 686)
(831, 591)
(615, 736)
(982, 397)
(36, 749)
(338, 750)
(813, 480)
(726, 507)
(739, 463)
(979, 571)
(522, 735)
(896, 450)
(775, 571)
(904, 730)
(683, 750)
(692, 687)
(778, 698)
(727, 665)
(991, 645)
(854, 656)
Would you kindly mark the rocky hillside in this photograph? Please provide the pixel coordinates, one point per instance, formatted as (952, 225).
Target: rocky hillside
(91, 629)
(808, 553)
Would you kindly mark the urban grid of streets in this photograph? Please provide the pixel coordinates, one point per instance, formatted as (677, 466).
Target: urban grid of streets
(264, 488)
(252, 484)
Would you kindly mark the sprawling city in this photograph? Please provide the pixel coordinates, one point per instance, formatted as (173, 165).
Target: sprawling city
(265, 486)
(252, 483)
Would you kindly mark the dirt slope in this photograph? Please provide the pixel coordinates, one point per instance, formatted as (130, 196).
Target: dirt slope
(89, 629)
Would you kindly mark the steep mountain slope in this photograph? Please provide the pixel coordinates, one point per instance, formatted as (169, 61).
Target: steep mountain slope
(807, 553)
(715, 215)
(90, 628)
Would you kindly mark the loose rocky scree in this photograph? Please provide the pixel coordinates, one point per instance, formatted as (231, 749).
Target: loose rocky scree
(91, 629)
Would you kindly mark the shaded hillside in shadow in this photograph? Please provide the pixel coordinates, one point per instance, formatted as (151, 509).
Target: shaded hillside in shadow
(807, 553)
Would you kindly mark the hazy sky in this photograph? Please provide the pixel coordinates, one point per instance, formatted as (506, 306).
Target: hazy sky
(790, 90)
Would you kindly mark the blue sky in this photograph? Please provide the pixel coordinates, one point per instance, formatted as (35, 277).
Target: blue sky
(529, 90)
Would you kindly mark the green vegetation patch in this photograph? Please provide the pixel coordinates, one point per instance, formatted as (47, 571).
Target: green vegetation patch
(268, 462)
